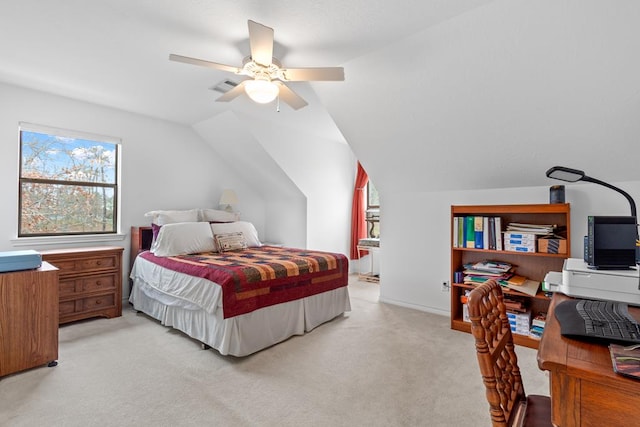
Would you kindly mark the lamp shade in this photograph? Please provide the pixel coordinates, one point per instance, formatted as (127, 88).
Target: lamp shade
(261, 90)
(228, 197)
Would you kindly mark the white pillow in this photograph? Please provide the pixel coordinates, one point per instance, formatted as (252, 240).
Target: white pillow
(183, 238)
(246, 228)
(218, 215)
(170, 217)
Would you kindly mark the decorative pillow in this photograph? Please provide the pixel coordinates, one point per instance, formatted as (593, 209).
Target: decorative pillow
(155, 229)
(230, 242)
(215, 215)
(244, 227)
(170, 217)
(183, 238)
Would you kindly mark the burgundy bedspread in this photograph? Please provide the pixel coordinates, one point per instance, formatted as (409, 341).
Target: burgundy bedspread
(262, 276)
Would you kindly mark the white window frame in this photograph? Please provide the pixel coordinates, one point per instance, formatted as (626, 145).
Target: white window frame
(73, 238)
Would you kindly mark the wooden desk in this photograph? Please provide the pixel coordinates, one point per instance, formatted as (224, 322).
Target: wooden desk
(585, 391)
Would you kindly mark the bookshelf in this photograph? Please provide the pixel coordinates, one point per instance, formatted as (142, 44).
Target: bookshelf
(533, 265)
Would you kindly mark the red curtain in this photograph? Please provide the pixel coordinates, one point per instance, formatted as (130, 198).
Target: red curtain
(358, 224)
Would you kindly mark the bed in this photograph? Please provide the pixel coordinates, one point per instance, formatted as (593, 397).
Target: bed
(219, 285)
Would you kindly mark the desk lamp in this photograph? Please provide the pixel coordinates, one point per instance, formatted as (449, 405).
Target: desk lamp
(573, 175)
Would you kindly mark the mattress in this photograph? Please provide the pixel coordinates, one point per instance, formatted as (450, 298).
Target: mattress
(197, 310)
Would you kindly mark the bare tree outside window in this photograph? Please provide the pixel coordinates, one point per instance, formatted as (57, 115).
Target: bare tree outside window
(68, 185)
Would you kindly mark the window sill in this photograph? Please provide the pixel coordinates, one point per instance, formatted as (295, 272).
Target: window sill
(57, 240)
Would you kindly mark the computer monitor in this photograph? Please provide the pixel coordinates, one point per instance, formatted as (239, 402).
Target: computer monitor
(611, 242)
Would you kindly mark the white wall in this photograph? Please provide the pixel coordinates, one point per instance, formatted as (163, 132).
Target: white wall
(298, 173)
(415, 251)
(164, 165)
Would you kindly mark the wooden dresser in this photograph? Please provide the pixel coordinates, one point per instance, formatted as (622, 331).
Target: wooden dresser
(90, 281)
(28, 319)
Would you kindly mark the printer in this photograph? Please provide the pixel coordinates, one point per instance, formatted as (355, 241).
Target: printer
(580, 281)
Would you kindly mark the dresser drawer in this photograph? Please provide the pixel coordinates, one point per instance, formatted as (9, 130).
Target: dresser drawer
(82, 285)
(74, 267)
(97, 263)
(96, 303)
(85, 305)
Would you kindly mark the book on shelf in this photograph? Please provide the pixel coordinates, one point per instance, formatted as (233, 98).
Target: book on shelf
(492, 233)
(539, 320)
(485, 232)
(514, 303)
(456, 220)
(498, 232)
(470, 232)
(478, 228)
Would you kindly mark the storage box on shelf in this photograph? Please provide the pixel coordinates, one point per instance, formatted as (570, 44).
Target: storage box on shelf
(533, 265)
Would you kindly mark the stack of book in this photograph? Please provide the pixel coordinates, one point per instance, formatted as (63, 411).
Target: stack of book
(479, 272)
(537, 325)
(516, 241)
(519, 322)
(515, 303)
(521, 237)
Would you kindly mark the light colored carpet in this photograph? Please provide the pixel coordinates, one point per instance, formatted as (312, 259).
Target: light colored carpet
(379, 365)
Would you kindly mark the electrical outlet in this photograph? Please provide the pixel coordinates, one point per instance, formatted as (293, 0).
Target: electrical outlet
(445, 286)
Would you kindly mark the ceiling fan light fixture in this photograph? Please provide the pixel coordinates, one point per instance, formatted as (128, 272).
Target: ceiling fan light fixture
(261, 90)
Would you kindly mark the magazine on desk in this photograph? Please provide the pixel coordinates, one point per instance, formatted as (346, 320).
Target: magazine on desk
(626, 360)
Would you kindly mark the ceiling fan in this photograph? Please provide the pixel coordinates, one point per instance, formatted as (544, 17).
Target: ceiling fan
(266, 74)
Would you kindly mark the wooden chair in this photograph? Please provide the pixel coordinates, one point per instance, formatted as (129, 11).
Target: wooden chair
(508, 403)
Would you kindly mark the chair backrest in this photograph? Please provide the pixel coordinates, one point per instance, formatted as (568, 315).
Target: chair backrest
(495, 351)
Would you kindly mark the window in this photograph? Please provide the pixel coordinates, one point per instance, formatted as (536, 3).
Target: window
(373, 211)
(68, 183)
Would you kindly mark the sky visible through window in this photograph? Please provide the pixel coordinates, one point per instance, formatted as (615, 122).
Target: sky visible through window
(67, 159)
(68, 185)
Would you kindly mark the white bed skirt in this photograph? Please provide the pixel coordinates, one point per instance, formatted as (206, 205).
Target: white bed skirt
(240, 335)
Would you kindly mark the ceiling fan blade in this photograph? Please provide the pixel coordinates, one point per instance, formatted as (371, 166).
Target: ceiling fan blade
(233, 93)
(203, 63)
(261, 43)
(313, 74)
(290, 97)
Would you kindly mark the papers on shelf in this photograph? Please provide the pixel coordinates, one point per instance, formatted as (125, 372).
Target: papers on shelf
(541, 229)
(529, 287)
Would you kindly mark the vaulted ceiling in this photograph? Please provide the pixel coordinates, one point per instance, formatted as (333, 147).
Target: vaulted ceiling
(438, 94)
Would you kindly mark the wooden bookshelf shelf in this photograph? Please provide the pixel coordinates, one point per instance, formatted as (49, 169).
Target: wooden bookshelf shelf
(533, 265)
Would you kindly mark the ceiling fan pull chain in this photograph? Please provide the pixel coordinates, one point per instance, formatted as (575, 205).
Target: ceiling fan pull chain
(278, 104)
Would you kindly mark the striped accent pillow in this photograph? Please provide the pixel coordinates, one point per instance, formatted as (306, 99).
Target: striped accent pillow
(230, 242)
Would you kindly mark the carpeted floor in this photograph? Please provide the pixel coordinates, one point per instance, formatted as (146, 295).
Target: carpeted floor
(379, 365)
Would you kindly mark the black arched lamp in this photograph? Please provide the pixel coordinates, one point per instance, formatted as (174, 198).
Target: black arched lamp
(572, 175)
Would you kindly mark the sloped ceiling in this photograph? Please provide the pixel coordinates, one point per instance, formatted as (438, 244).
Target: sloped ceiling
(438, 94)
(493, 98)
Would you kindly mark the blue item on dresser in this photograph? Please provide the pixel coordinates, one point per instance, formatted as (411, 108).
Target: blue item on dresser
(20, 260)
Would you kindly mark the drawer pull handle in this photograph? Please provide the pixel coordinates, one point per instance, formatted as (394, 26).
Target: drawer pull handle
(98, 283)
(98, 301)
(99, 263)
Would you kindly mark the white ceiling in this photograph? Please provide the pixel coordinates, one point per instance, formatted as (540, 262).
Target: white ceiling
(438, 95)
(115, 52)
